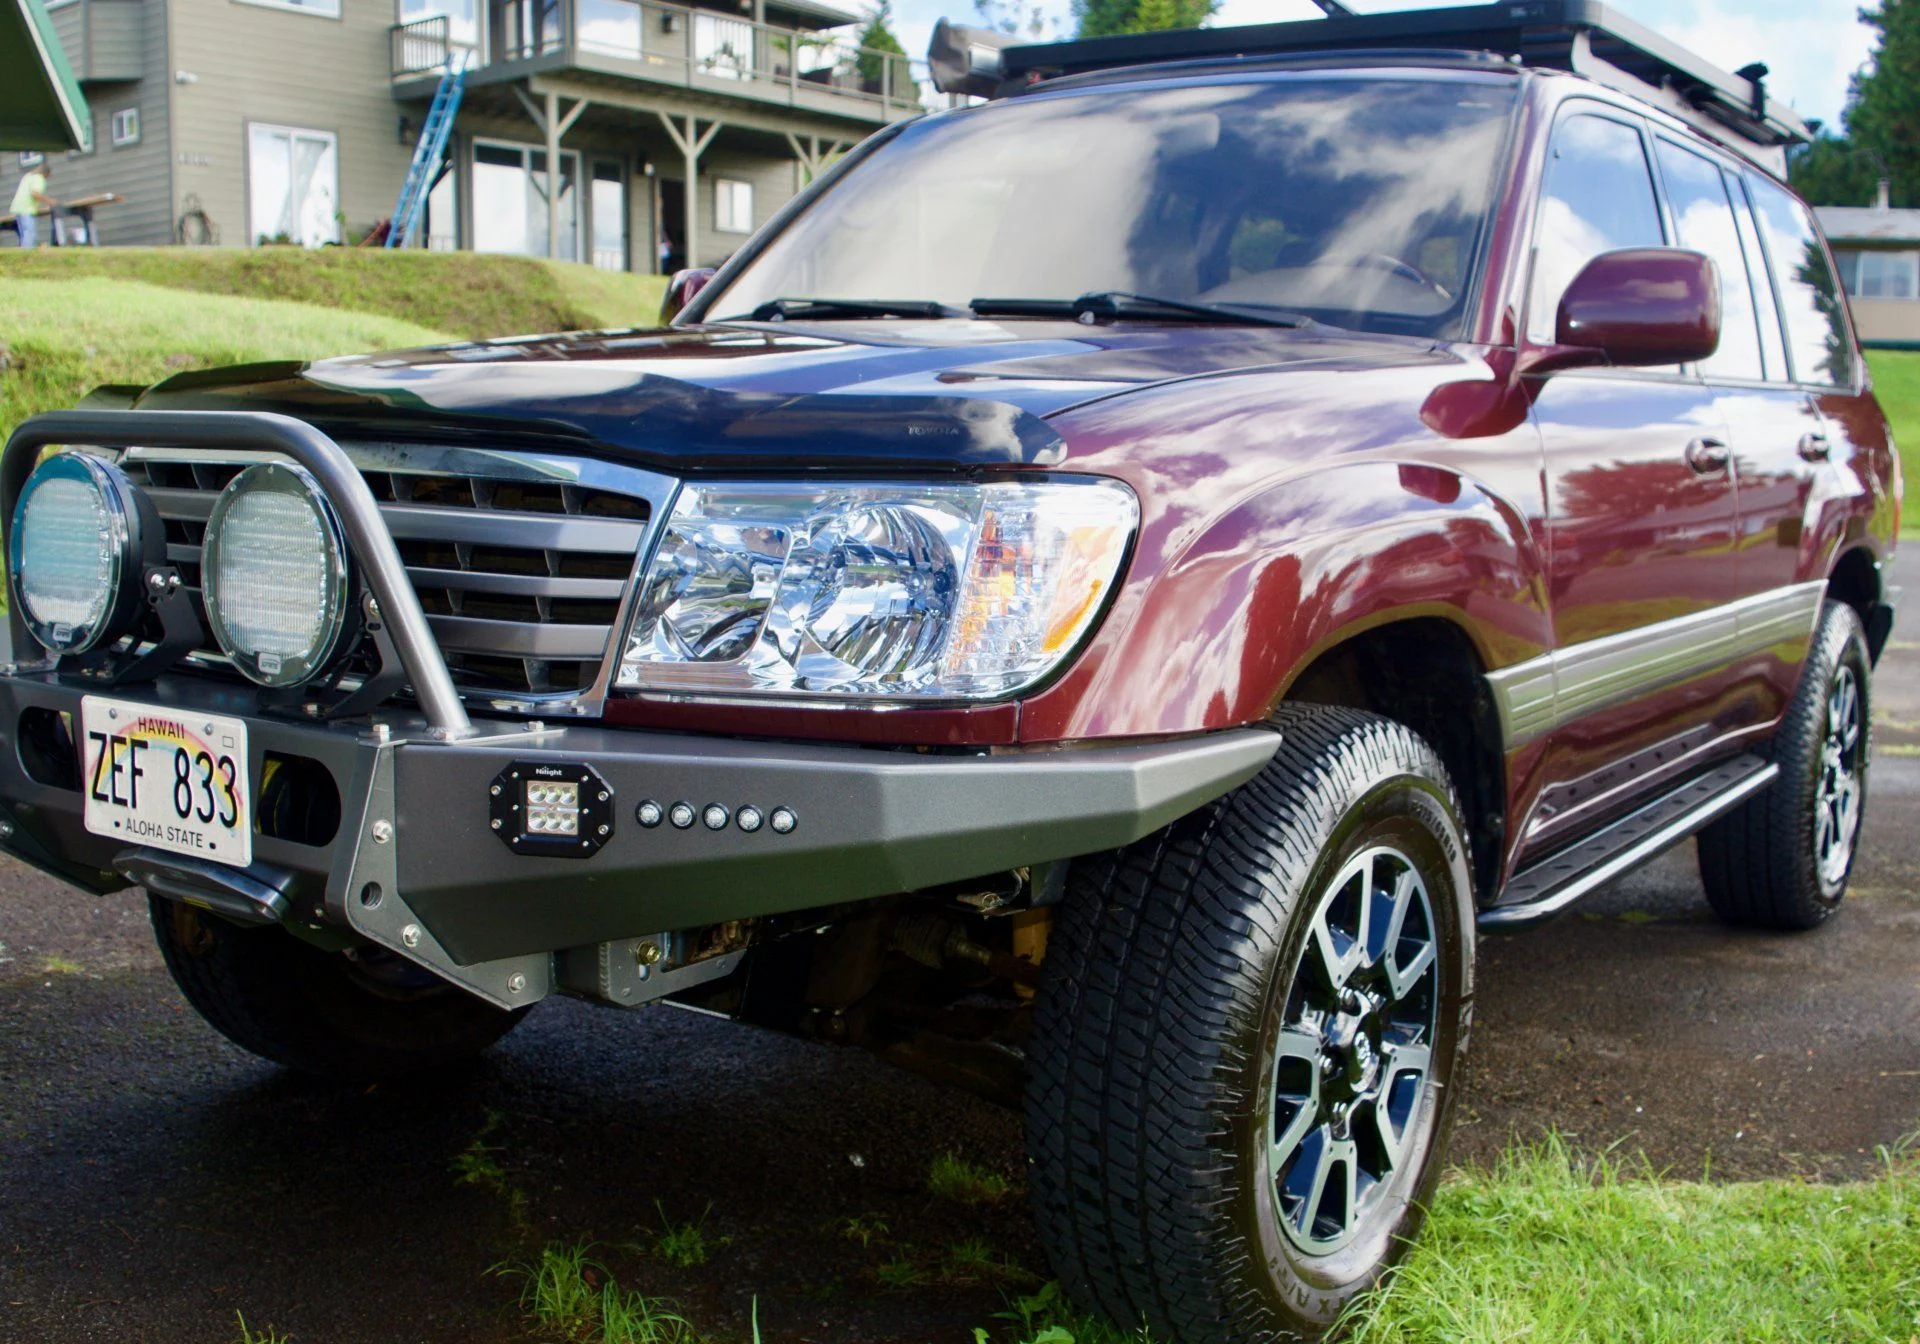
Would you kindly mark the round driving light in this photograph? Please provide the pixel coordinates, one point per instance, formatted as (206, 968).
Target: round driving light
(274, 574)
(74, 550)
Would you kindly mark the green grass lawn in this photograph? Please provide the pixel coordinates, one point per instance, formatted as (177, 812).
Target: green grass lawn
(66, 337)
(1896, 381)
(464, 293)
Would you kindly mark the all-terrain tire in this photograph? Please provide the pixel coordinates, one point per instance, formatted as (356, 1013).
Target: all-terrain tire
(1151, 1112)
(1762, 864)
(320, 1012)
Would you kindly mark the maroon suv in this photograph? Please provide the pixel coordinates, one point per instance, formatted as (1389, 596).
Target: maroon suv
(1098, 601)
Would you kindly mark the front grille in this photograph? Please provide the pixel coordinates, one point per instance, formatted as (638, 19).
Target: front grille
(520, 561)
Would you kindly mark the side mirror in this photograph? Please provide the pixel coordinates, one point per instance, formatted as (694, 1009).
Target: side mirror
(1642, 306)
(680, 291)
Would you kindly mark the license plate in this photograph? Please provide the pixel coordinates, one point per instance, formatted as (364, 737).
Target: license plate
(167, 779)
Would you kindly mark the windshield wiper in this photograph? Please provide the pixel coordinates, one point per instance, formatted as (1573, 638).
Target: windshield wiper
(1115, 303)
(779, 310)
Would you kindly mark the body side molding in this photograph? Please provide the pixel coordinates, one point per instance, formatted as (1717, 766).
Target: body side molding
(1557, 688)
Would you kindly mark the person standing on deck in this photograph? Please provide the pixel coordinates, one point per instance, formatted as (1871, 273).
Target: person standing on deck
(28, 202)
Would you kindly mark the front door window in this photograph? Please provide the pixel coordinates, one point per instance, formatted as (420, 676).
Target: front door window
(293, 181)
(510, 201)
(609, 217)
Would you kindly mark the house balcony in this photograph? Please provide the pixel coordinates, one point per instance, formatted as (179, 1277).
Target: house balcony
(633, 44)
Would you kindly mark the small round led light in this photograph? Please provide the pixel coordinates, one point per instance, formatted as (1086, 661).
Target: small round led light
(649, 814)
(716, 817)
(75, 552)
(748, 818)
(783, 820)
(275, 575)
(682, 815)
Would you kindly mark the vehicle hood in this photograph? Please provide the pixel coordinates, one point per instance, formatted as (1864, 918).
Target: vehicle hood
(959, 394)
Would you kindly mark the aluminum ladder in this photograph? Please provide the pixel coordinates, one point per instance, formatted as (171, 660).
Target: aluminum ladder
(428, 154)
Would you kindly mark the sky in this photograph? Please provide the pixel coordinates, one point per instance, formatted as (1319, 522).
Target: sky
(1812, 46)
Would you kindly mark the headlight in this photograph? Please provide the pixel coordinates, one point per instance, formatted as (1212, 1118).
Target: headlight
(927, 591)
(75, 552)
(274, 575)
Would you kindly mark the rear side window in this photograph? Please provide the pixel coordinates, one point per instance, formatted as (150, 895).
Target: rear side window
(1818, 346)
(1773, 347)
(1598, 197)
(1704, 219)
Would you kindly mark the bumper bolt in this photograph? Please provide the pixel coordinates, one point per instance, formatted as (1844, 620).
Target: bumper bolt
(495, 823)
(411, 935)
(516, 983)
(646, 952)
(382, 733)
(382, 832)
(6, 829)
(493, 791)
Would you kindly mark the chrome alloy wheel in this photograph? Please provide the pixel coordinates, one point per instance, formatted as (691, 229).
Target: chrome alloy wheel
(1353, 1071)
(1843, 768)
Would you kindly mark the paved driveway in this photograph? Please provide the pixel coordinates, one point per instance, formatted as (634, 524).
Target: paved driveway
(154, 1180)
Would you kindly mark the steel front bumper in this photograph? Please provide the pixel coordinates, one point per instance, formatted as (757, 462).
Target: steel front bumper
(416, 866)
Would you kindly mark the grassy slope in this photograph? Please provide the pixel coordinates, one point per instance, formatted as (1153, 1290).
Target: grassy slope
(459, 292)
(65, 337)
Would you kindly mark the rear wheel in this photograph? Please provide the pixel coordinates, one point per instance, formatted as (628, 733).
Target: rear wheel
(359, 1016)
(1241, 1077)
(1782, 859)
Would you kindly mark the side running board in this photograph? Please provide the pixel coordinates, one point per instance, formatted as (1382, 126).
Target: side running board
(1542, 890)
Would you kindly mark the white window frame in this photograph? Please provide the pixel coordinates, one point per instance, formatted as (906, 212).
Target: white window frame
(31, 158)
(130, 136)
(326, 9)
(313, 133)
(725, 218)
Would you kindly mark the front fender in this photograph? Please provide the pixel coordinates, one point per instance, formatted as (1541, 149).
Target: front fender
(1216, 634)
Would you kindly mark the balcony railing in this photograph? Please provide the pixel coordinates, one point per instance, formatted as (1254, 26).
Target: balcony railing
(670, 44)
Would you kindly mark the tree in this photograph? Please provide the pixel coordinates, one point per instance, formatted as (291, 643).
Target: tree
(880, 49)
(1102, 18)
(1015, 18)
(1882, 121)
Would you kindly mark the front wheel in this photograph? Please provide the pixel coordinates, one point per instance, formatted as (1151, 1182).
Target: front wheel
(363, 1015)
(1242, 1074)
(1781, 860)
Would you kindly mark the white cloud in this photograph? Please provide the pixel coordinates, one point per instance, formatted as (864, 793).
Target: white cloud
(1812, 46)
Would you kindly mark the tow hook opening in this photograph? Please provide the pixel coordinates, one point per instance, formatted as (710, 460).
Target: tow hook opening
(44, 739)
(299, 800)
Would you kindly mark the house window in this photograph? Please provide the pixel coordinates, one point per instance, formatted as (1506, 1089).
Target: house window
(326, 9)
(609, 217)
(1880, 275)
(723, 47)
(510, 200)
(31, 158)
(442, 225)
(612, 26)
(732, 206)
(293, 185)
(126, 126)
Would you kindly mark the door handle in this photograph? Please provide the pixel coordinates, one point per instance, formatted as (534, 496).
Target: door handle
(1708, 455)
(1815, 445)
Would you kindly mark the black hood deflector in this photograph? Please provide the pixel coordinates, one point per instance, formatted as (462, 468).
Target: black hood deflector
(724, 399)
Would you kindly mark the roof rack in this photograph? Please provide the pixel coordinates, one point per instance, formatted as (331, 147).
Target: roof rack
(1581, 36)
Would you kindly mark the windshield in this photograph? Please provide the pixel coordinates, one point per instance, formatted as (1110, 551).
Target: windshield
(1357, 200)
